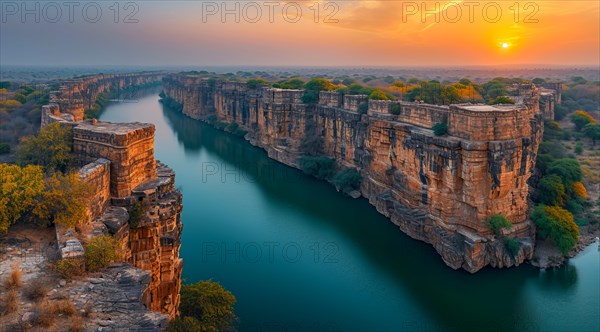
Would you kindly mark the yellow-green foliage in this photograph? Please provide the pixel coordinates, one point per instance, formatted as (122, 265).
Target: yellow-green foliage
(210, 304)
(19, 189)
(64, 201)
(68, 268)
(51, 148)
(100, 252)
(558, 224)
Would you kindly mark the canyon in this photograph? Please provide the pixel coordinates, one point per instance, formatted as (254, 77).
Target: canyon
(117, 161)
(437, 189)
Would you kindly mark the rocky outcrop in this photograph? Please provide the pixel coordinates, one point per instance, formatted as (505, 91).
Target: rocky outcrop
(438, 189)
(118, 162)
(69, 103)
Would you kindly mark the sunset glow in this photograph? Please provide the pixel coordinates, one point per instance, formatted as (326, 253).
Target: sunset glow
(397, 33)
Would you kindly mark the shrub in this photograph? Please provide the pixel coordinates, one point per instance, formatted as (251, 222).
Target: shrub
(14, 279)
(502, 100)
(581, 119)
(578, 148)
(43, 315)
(77, 324)
(440, 128)
(395, 109)
(210, 304)
(36, 291)
(320, 167)
(136, 214)
(592, 131)
(512, 245)
(574, 206)
(498, 222)
(363, 108)
(551, 190)
(256, 83)
(579, 190)
(568, 169)
(63, 307)
(68, 268)
(184, 324)
(4, 148)
(100, 252)
(10, 303)
(19, 192)
(558, 224)
(51, 148)
(378, 95)
(347, 180)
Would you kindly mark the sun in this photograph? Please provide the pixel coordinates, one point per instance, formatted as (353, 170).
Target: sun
(505, 45)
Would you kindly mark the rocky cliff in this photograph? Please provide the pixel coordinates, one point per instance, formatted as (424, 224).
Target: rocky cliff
(134, 196)
(438, 189)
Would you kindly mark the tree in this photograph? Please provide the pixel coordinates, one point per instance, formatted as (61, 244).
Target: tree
(450, 95)
(19, 190)
(556, 223)
(378, 95)
(210, 304)
(347, 180)
(538, 80)
(185, 324)
(568, 169)
(581, 119)
(502, 100)
(440, 128)
(579, 190)
(320, 167)
(4, 148)
(498, 222)
(256, 83)
(51, 148)
(100, 252)
(551, 190)
(395, 109)
(592, 131)
(64, 201)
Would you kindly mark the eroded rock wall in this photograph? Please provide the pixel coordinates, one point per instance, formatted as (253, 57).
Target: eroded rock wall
(438, 189)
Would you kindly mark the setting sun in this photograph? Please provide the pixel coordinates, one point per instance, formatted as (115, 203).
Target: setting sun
(505, 45)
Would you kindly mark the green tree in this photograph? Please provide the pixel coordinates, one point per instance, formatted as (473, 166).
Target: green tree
(100, 252)
(450, 95)
(440, 128)
(51, 148)
(498, 222)
(256, 83)
(320, 167)
(512, 245)
(21, 98)
(558, 224)
(592, 131)
(551, 190)
(64, 200)
(347, 180)
(502, 100)
(378, 95)
(4, 148)
(395, 109)
(581, 119)
(567, 169)
(185, 324)
(19, 190)
(210, 304)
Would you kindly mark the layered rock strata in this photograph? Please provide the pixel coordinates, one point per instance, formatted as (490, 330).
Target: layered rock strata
(438, 189)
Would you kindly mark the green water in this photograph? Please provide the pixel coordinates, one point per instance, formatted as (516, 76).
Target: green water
(301, 257)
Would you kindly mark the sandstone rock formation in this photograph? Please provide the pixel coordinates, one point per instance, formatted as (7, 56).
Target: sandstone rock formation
(438, 189)
(118, 162)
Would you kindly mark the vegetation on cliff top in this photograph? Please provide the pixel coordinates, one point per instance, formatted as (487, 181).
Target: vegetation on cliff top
(205, 306)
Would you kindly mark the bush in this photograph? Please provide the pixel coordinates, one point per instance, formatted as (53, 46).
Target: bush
(395, 109)
(320, 167)
(512, 246)
(581, 119)
(592, 131)
(498, 222)
(68, 268)
(568, 169)
(100, 252)
(43, 315)
(36, 291)
(136, 214)
(502, 100)
(4, 148)
(378, 95)
(574, 206)
(558, 224)
(210, 304)
(440, 128)
(63, 307)
(551, 190)
(51, 149)
(579, 190)
(10, 303)
(256, 83)
(578, 148)
(363, 108)
(184, 324)
(347, 180)
(14, 279)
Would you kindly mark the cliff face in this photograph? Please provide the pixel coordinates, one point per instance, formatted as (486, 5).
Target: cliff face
(80, 94)
(436, 189)
(119, 164)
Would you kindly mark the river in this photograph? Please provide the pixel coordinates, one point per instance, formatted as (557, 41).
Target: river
(300, 256)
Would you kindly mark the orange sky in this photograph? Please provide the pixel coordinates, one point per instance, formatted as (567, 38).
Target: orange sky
(376, 33)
